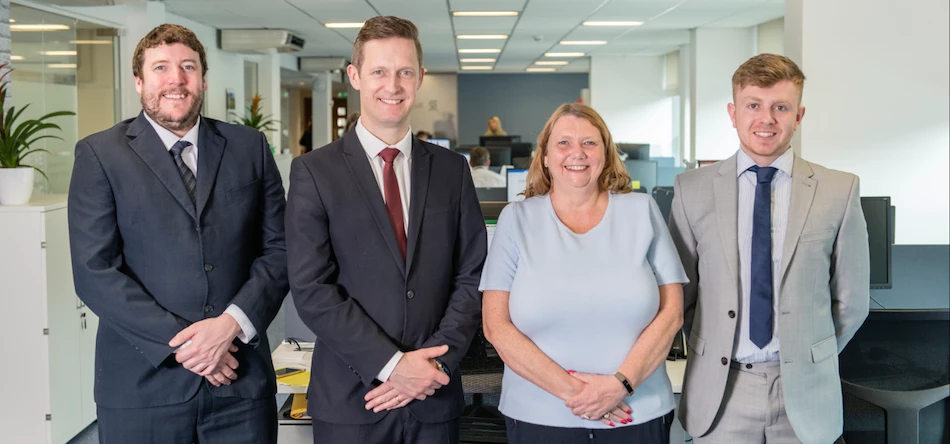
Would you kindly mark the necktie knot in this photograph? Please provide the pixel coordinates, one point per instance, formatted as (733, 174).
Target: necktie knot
(389, 154)
(763, 174)
(180, 146)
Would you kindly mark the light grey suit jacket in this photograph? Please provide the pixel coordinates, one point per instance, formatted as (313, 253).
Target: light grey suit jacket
(824, 291)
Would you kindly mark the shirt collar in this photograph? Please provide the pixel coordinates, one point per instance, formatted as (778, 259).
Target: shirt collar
(169, 138)
(783, 163)
(373, 146)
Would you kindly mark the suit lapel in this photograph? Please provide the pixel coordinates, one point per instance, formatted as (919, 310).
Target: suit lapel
(355, 158)
(419, 185)
(210, 150)
(803, 193)
(145, 142)
(726, 191)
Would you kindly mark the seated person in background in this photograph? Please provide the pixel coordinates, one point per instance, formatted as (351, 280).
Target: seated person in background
(481, 175)
(583, 295)
(423, 135)
(494, 127)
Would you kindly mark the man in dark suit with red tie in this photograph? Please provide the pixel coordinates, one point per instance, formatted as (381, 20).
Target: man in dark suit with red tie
(385, 249)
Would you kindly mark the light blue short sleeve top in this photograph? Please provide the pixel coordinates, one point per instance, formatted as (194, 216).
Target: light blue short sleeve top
(583, 299)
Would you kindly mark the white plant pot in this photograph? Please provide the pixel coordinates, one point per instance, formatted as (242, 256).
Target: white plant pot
(16, 185)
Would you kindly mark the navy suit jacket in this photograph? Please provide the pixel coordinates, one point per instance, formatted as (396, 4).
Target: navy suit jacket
(149, 263)
(352, 288)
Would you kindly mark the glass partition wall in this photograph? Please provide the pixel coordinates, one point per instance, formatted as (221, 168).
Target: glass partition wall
(62, 64)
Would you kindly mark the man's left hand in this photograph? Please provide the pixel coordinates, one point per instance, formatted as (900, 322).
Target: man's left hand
(210, 340)
(386, 397)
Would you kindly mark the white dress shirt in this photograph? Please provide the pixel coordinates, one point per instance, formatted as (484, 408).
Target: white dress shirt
(401, 166)
(486, 178)
(745, 350)
(190, 157)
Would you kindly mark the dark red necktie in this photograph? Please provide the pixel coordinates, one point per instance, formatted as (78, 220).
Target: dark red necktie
(393, 201)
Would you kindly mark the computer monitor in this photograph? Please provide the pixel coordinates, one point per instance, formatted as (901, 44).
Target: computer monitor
(497, 140)
(520, 149)
(499, 155)
(879, 215)
(443, 142)
(517, 182)
(635, 151)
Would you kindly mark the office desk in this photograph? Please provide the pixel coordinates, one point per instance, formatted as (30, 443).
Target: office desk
(292, 431)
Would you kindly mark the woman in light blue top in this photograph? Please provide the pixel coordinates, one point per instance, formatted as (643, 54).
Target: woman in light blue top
(583, 296)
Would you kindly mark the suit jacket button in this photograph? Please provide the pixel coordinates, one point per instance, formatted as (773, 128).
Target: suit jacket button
(209, 267)
(732, 313)
(410, 294)
(725, 361)
(209, 308)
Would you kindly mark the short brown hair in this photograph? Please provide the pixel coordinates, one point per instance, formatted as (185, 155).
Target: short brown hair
(384, 27)
(613, 178)
(168, 34)
(479, 156)
(765, 70)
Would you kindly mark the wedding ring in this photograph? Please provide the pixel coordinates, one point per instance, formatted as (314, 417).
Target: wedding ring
(585, 417)
(607, 415)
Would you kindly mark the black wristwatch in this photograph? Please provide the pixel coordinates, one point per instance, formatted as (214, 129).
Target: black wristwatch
(626, 384)
(441, 366)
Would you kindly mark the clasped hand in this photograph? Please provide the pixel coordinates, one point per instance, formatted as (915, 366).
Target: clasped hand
(600, 399)
(415, 377)
(210, 352)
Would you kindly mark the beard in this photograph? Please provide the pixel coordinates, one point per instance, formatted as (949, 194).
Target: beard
(151, 104)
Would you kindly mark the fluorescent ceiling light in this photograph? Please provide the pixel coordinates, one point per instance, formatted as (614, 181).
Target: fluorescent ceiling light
(595, 23)
(16, 57)
(564, 54)
(481, 36)
(479, 51)
(485, 13)
(90, 42)
(552, 63)
(58, 53)
(541, 70)
(583, 42)
(476, 68)
(61, 65)
(344, 25)
(38, 27)
(477, 60)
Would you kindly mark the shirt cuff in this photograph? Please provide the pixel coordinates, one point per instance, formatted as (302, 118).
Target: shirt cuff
(248, 332)
(387, 370)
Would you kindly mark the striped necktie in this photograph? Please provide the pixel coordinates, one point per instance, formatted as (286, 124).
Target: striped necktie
(186, 175)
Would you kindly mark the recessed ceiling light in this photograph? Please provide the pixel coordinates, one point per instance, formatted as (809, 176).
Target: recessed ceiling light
(38, 27)
(552, 62)
(58, 53)
(485, 13)
(564, 54)
(344, 25)
(477, 60)
(596, 23)
(479, 51)
(541, 70)
(16, 57)
(583, 42)
(90, 42)
(476, 68)
(61, 65)
(481, 37)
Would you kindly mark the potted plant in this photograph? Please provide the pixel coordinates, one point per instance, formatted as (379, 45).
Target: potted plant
(254, 118)
(16, 141)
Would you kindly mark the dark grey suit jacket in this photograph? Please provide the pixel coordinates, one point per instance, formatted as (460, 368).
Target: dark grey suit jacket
(149, 263)
(352, 288)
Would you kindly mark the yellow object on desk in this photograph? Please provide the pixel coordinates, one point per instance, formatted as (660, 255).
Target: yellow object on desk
(298, 408)
(301, 379)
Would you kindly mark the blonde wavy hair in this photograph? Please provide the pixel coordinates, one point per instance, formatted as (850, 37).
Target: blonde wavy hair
(613, 178)
(498, 131)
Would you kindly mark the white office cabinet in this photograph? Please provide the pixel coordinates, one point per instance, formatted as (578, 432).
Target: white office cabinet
(47, 337)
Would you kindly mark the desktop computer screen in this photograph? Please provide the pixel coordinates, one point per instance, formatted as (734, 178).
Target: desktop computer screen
(517, 182)
(879, 215)
(485, 141)
(443, 142)
(499, 155)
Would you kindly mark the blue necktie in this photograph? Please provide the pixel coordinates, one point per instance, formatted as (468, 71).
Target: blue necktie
(186, 175)
(760, 304)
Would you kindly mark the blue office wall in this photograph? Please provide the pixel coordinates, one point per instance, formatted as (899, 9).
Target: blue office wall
(522, 101)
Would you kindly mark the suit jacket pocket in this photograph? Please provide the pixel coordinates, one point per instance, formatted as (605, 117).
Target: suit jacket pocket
(696, 343)
(815, 236)
(243, 192)
(824, 349)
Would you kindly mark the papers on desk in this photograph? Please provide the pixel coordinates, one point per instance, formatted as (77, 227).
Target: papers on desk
(287, 355)
(301, 379)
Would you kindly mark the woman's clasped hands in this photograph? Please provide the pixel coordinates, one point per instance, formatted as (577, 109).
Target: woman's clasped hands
(599, 398)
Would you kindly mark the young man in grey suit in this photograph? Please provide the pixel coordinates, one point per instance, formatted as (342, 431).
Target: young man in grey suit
(177, 237)
(776, 252)
(385, 248)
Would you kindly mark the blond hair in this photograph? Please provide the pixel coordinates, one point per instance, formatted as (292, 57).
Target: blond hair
(765, 70)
